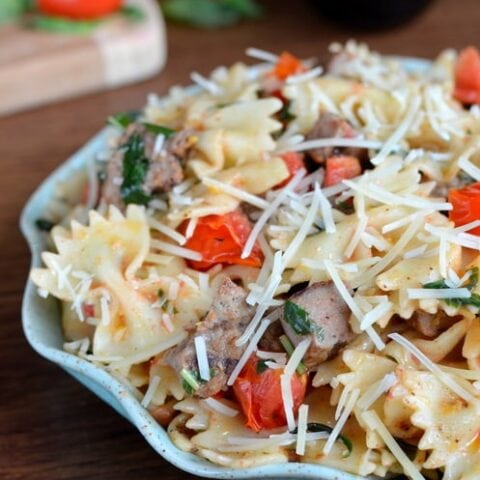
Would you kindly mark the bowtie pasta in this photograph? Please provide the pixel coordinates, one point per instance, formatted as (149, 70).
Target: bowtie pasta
(283, 264)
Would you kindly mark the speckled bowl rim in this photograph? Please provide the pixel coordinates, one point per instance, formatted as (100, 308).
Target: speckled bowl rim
(41, 325)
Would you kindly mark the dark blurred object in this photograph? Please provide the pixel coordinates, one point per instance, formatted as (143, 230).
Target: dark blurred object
(210, 13)
(370, 14)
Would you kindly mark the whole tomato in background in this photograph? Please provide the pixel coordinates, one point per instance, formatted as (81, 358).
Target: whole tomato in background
(79, 9)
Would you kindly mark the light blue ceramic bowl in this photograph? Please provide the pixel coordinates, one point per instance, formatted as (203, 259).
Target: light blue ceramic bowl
(41, 324)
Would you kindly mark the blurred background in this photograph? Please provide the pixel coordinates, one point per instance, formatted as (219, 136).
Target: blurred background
(58, 49)
(65, 66)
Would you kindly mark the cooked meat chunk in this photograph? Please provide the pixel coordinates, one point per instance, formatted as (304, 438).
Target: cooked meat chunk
(431, 325)
(330, 125)
(151, 171)
(329, 317)
(442, 188)
(225, 322)
(270, 340)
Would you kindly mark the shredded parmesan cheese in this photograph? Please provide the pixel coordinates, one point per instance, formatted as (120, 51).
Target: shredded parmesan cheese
(374, 423)
(219, 407)
(297, 356)
(236, 192)
(421, 293)
(202, 357)
(174, 250)
(337, 429)
(206, 84)
(268, 212)
(248, 351)
(287, 397)
(432, 367)
(152, 388)
(375, 391)
(167, 231)
(302, 429)
(399, 132)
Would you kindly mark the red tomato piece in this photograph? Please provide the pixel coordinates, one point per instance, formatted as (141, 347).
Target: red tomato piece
(260, 395)
(287, 65)
(294, 163)
(466, 206)
(341, 167)
(220, 239)
(467, 76)
(79, 9)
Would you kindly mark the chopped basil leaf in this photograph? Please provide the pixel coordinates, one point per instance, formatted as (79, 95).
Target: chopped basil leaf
(320, 427)
(160, 293)
(159, 129)
(473, 300)
(262, 366)
(122, 120)
(135, 168)
(43, 224)
(298, 319)
(191, 380)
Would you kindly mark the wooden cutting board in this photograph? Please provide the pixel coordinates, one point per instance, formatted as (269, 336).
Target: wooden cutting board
(38, 67)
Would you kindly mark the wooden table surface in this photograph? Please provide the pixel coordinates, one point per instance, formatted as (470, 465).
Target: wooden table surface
(51, 427)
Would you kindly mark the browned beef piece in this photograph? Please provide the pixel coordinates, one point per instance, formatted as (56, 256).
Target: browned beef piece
(270, 340)
(329, 315)
(330, 125)
(459, 181)
(225, 322)
(165, 167)
(431, 325)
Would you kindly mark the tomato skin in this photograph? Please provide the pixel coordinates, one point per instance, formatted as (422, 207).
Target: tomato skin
(466, 206)
(260, 395)
(287, 65)
(220, 239)
(341, 167)
(79, 9)
(294, 163)
(467, 76)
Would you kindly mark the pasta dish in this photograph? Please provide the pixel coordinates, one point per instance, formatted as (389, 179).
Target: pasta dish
(283, 264)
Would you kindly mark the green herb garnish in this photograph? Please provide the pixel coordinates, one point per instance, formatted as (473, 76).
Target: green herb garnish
(191, 380)
(43, 224)
(289, 348)
(320, 427)
(298, 319)
(473, 300)
(123, 120)
(159, 129)
(262, 366)
(135, 168)
(210, 13)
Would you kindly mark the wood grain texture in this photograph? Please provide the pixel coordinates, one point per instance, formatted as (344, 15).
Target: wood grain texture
(52, 428)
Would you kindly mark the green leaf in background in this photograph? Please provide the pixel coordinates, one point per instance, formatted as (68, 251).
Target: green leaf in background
(55, 24)
(132, 13)
(10, 10)
(210, 13)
